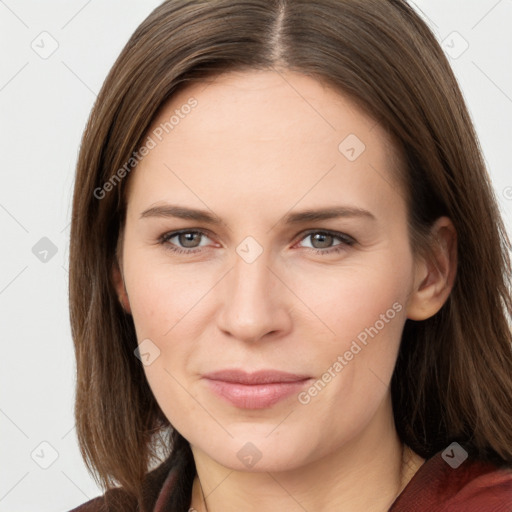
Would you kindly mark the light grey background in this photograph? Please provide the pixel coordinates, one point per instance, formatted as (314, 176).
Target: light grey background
(44, 103)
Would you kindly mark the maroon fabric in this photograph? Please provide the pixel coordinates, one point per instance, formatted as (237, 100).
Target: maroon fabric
(472, 487)
(436, 487)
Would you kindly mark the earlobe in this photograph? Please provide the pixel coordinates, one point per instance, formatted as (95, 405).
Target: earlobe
(434, 278)
(120, 287)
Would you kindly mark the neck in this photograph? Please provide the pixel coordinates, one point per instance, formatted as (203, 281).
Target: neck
(366, 476)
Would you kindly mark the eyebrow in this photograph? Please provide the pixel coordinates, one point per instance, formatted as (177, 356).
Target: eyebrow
(312, 215)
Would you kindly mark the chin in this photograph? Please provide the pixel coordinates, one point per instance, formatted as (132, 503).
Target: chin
(258, 453)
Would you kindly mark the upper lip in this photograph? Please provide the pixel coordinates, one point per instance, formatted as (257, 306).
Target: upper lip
(257, 377)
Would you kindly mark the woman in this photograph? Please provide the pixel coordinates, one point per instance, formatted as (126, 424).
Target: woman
(288, 273)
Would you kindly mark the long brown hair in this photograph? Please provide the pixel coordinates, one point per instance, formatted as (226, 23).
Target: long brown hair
(453, 377)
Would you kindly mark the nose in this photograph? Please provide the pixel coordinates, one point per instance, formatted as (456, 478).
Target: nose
(255, 302)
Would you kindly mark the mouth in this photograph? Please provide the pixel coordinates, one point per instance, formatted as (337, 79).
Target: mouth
(257, 390)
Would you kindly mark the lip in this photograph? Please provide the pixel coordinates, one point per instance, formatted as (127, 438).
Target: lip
(256, 390)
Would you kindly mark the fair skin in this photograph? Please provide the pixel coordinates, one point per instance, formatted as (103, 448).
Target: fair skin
(258, 147)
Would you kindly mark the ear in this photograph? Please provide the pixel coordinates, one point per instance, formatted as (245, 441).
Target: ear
(118, 280)
(434, 277)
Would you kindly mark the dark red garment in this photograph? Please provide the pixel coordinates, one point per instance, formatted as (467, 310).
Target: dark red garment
(436, 487)
(474, 486)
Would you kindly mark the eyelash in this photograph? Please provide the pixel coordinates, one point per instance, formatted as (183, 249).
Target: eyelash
(344, 239)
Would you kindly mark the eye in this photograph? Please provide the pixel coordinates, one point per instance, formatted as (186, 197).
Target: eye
(184, 241)
(324, 242)
(191, 241)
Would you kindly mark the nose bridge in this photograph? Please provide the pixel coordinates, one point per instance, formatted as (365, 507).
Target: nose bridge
(253, 304)
(251, 280)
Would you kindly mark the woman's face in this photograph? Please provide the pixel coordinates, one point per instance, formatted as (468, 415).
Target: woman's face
(294, 257)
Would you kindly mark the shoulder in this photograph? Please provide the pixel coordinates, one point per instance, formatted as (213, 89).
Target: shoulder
(118, 500)
(473, 486)
(486, 488)
(112, 501)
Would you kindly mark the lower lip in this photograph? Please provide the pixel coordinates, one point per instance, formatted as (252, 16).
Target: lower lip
(255, 396)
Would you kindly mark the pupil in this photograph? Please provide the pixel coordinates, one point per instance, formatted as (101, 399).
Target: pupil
(187, 239)
(325, 240)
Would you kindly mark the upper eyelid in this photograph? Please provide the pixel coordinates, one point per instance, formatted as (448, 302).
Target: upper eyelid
(330, 232)
(172, 234)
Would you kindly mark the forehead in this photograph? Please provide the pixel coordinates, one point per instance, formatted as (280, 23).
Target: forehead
(277, 133)
(267, 105)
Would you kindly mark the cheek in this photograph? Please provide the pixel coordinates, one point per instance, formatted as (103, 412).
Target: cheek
(161, 296)
(340, 304)
(167, 305)
(162, 303)
(361, 312)
(354, 368)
